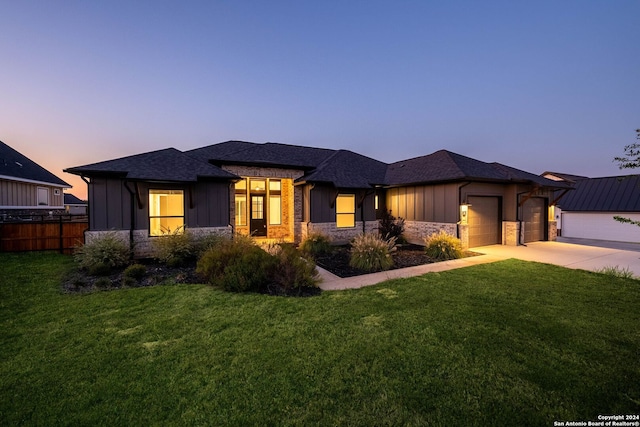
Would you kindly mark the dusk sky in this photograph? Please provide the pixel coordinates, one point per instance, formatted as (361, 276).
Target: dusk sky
(537, 85)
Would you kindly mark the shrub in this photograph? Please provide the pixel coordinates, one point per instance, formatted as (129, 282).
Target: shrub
(99, 269)
(106, 251)
(293, 271)
(135, 271)
(175, 248)
(442, 246)
(616, 271)
(370, 252)
(390, 226)
(103, 283)
(316, 244)
(238, 265)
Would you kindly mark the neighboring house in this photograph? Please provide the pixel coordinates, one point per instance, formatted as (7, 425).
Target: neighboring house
(27, 188)
(286, 192)
(73, 205)
(587, 211)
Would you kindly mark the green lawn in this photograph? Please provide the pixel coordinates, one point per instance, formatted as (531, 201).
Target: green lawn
(510, 343)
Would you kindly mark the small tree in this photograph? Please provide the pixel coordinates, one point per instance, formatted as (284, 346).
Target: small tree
(631, 160)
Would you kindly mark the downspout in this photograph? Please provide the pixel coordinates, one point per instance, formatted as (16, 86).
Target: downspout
(84, 238)
(518, 218)
(459, 203)
(133, 216)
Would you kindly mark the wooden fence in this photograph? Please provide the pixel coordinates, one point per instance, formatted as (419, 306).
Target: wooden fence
(43, 234)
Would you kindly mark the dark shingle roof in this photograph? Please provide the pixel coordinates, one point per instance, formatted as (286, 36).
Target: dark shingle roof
(346, 169)
(15, 165)
(609, 194)
(445, 166)
(70, 199)
(162, 165)
(270, 153)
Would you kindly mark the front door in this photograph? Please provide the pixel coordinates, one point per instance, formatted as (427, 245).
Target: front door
(258, 218)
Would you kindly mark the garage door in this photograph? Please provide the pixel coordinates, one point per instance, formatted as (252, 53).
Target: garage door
(484, 221)
(534, 216)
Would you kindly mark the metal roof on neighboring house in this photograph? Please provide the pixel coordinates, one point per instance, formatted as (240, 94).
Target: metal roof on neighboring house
(16, 165)
(609, 194)
(162, 165)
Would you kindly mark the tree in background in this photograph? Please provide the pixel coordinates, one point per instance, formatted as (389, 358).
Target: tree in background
(631, 160)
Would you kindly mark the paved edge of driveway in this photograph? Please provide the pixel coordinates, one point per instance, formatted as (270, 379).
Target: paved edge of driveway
(331, 282)
(563, 254)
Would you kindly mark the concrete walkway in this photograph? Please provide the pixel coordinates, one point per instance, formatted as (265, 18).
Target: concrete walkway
(564, 254)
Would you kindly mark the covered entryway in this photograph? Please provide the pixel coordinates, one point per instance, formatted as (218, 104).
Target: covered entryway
(484, 221)
(534, 217)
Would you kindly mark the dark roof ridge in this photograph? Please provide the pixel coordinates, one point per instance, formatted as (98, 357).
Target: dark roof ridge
(14, 164)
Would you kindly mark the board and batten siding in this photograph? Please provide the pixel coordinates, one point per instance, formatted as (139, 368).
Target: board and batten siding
(321, 201)
(25, 194)
(429, 203)
(110, 207)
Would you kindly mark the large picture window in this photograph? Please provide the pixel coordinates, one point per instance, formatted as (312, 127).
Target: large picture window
(166, 211)
(346, 210)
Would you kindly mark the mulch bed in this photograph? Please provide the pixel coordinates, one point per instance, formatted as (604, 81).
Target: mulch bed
(78, 281)
(337, 262)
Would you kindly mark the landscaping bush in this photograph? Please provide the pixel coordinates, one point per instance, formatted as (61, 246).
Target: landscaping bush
(175, 248)
(238, 265)
(316, 244)
(293, 271)
(442, 246)
(103, 253)
(390, 226)
(370, 252)
(135, 271)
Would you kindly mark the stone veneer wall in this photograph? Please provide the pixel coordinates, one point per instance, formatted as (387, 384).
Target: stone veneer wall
(553, 231)
(142, 241)
(338, 235)
(289, 225)
(510, 233)
(416, 231)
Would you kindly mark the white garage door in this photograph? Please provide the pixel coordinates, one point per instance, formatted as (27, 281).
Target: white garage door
(600, 226)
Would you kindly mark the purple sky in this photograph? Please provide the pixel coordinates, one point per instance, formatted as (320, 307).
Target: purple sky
(544, 85)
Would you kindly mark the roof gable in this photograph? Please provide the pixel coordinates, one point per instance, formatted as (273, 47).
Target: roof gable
(16, 165)
(162, 165)
(446, 166)
(267, 154)
(346, 169)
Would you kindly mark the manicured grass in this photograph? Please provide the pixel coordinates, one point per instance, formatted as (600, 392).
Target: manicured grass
(511, 343)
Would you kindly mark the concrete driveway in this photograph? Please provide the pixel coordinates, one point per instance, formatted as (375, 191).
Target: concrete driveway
(568, 255)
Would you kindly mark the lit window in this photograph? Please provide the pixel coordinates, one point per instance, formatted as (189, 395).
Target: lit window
(346, 210)
(258, 185)
(275, 202)
(166, 211)
(275, 209)
(241, 209)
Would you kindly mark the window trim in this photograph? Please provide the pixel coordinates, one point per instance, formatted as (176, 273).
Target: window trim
(150, 217)
(346, 214)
